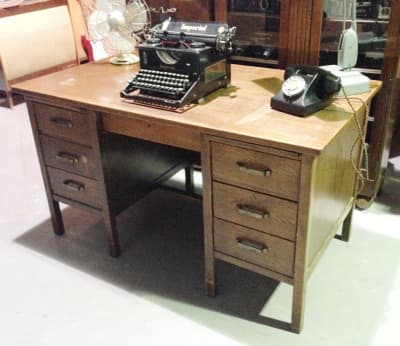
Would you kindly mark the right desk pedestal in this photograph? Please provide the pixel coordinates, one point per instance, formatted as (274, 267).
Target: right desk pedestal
(274, 211)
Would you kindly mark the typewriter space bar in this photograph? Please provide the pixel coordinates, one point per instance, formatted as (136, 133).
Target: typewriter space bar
(152, 99)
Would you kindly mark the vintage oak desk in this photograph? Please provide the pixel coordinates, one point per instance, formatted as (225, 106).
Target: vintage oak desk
(276, 188)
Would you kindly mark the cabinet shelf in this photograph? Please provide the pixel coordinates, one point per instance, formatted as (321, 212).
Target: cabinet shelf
(255, 61)
(359, 20)
(253, 14)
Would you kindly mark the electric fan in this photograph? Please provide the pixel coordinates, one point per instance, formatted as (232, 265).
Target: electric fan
(120, 27)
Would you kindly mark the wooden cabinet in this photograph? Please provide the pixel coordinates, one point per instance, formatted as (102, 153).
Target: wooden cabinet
(274, 33)
(258, 27)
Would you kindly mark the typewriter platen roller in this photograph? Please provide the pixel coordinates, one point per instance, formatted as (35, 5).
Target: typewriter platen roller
(181, 63)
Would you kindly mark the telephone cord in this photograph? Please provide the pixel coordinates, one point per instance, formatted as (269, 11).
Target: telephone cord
(361, 131)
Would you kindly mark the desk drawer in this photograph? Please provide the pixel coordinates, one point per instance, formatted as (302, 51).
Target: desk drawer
(65, 123)
(74, 187)
(255, 210)
(256, 170)
(254, 247)
(71, 157)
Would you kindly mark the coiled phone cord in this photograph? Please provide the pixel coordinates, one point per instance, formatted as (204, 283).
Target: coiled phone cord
(361, 131)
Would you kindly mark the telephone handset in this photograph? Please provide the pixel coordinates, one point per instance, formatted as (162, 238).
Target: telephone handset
(306, 89)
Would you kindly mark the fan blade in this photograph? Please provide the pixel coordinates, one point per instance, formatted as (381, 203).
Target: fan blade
(98, 26)
(137, 15)
(116, 42)
(110, 5)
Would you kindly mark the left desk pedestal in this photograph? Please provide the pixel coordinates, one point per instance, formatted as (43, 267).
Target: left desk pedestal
(68, 145)
(79, 170)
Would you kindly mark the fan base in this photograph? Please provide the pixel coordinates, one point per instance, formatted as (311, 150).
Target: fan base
(124, 59)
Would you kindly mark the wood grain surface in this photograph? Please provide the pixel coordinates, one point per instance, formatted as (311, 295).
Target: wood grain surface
(240, 111)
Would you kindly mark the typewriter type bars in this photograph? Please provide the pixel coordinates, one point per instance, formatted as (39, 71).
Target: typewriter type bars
(181, 63)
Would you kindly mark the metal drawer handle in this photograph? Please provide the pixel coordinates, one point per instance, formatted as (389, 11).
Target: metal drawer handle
(62, 122)
(67, 158)
(252, 211)
(252, 245)
(74, 186)
(254, 169)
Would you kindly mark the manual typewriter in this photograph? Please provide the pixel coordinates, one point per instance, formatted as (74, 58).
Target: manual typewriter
(181, 63)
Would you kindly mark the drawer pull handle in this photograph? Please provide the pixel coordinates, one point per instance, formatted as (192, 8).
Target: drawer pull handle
(252, 211)
(253, 169)
(252, 245)
(67, 158)
(61, 122)
(74, 186)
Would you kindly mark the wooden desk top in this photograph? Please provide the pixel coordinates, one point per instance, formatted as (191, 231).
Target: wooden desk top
(241, 111)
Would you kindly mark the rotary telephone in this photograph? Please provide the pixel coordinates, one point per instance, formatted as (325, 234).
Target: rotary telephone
(306, 89)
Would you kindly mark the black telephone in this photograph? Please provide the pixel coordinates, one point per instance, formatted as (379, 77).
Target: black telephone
(306, 89)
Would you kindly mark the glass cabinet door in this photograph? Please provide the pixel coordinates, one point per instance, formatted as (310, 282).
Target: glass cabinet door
(372, 23)
(257, 33)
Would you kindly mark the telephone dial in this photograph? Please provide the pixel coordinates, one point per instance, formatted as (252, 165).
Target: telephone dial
(306, 89)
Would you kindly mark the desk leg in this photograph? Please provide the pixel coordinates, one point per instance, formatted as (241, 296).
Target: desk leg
(56, 217)
(9, 97)
(112, 233)
(189, 180)
(210, 274)
(210, 277)
(298, 303)
(109, 214)
(346, 227)
(54, 206)
(299, 278)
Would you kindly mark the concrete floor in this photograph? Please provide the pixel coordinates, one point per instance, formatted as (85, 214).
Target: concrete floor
(68, 291)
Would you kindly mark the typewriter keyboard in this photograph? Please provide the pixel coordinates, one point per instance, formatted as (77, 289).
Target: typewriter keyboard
(160, 82)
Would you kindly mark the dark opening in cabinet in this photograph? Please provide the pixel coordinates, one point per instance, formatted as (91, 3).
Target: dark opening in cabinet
(258, 27)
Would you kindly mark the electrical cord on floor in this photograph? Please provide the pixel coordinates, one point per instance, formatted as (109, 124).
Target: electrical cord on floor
(361, 131)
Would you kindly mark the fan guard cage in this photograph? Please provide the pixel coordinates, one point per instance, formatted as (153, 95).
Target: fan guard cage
(119, 26)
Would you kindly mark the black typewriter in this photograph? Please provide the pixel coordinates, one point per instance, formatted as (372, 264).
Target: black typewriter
(181, 63)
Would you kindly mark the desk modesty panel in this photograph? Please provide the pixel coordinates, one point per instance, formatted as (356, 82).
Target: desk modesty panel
(276, 188)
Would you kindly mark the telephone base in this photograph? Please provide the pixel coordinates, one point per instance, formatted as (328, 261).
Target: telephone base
(353, 82)
(306, 90)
